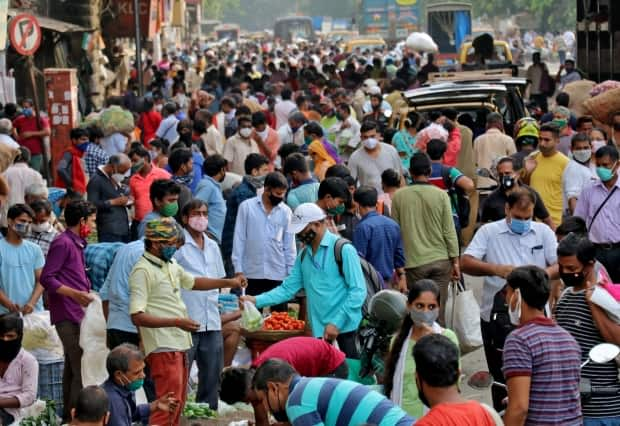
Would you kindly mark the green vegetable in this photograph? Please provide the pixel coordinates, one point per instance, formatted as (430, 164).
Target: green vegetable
(46, 418)
(198, 410)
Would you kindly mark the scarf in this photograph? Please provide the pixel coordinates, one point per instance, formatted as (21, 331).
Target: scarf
(318, 148)
(399, 372)
(256, 182)
(78, 177)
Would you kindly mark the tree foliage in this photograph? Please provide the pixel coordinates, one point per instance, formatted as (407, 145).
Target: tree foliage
(214, 9)
(548, 14)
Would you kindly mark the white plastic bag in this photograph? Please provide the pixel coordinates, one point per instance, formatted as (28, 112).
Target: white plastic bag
(93, 344)
(40, 337)
(421, 42)
(463, 316)
(251, 319)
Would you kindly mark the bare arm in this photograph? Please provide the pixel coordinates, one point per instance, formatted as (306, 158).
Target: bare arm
(466, 184)
(11, 402)
(518, 400)
(142, 319)
(203, 283)
(478, 268)
(608, 328)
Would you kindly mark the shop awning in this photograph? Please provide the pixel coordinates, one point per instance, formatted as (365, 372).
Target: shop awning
(50, 23)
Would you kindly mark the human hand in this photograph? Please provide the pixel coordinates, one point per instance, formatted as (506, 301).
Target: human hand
(331, 332)
(167, 403)
(120, 201)
(27, 309)
(456, 270)
(187, 324)
(402, 284)
(12, 307)
(251, 299)
(239, 281)
(26, 135)
(82, 297)
(530, 164)
(502, 271)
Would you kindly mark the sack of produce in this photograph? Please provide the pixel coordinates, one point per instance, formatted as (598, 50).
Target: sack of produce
(579, 92)
(40, 337)
(116, 120)
(602, 106)
(604, 86)
(251, 319)
(421, 42)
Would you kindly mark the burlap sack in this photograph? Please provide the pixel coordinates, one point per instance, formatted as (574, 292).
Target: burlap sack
(579, 92)
(7, 156)
(601, 107)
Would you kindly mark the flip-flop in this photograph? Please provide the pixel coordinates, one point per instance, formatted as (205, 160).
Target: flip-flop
(480, 380)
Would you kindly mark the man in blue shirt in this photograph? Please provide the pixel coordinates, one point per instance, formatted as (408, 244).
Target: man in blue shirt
(125, 365)
(334, 300)
(377, 238)
(210, 191)
(304, 401)
(305, 189)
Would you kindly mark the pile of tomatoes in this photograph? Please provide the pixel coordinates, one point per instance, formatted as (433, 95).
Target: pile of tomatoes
(281, 321)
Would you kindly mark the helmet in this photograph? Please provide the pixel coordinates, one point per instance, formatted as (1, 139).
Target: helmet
(389, 307)
(527, 127)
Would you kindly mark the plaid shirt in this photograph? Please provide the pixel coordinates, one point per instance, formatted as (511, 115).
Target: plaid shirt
(99, 258)
(95, 156)
(43, 239)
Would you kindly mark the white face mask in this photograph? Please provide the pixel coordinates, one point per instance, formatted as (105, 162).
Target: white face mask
(263, 135)
(245, 132)
(371, 143)
(40, 227)
(118, 178)
(582, 155)
(515, 316)
(596, 144)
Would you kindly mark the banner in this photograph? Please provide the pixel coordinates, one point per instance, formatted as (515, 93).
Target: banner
(4, 10)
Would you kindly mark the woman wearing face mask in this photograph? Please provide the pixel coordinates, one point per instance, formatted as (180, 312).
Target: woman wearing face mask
(598, 137)
(399, 384)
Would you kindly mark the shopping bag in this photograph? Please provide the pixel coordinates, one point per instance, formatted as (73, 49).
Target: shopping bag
(40, 337)
(251, 319)
(462, 316)
(93, 344)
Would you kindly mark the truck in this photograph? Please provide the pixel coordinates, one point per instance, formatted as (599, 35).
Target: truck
(392, 20)
(449, 25)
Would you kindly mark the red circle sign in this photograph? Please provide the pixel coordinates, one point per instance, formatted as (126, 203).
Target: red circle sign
(25, 34)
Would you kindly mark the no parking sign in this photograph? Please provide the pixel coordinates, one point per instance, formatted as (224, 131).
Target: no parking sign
(25, 34)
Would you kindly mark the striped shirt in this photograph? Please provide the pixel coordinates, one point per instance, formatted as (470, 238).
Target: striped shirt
(315, 401)
(574, 315)
(550, 356)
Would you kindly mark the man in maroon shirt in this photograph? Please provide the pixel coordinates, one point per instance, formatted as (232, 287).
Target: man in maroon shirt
(309, 356)
(30, 134)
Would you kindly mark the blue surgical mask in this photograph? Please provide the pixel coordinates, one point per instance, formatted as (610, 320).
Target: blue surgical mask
(605, 174)
(520, 226)
(167, 252)
(27, 112)
(82, 146)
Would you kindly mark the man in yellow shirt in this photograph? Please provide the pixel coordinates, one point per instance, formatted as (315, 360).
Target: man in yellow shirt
(544, 170)
(157, 309)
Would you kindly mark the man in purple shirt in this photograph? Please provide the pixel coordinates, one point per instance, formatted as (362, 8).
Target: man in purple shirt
(64, 278)
(599, 206)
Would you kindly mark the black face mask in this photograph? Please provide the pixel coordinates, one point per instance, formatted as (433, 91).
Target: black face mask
(572, 279)
(275, 200)
(422, 396)
(10, 349)
(507, 182)
(279, 415)
(617, 127)
(307, 237)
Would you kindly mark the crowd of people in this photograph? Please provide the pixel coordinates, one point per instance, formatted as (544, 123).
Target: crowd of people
(268, 174)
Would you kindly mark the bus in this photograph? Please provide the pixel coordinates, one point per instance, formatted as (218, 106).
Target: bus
(294, 27)
(207, 28)
(229, 32)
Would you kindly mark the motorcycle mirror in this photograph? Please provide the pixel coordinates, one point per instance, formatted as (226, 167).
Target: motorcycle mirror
(484, 173)
(605, 352)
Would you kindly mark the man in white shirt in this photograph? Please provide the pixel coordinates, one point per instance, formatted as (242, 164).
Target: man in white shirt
(19, 176)
(239, 146)
(168, 127)
(293, 131)
(211, 137)
(201, 257)
(6, 127)
(579, 173)
(263, 250)
(347, 131)
(284, 108)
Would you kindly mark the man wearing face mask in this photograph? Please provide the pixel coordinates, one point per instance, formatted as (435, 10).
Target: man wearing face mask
(239, 146)
(267, 139)
(579, 173)
(19, 370)
(497, 248)
(293, 131)
(369, 161)
(599, 206)
(334, 298)
(537, 347)
(588, 324)
(71, 174)
(107, 191)
(68, 290)
(125, 365)
(494, 207)
(164, 194)
(264, 250)
(157, 309)
(21, 263)
(30, 134)
(182, 165)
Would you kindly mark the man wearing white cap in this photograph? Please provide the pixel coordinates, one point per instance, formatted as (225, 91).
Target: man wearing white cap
(334, 299)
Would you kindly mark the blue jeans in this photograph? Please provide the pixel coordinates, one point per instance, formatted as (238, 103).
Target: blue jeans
(602, 421)
(208, 352)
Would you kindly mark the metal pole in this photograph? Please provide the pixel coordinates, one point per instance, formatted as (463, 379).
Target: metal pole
(35, 97)
(136, 9)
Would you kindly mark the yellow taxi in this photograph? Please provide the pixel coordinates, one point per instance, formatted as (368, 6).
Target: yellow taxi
(365, 43)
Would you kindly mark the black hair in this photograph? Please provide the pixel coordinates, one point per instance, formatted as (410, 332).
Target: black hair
(584, 119)
(450, 113)
(272, 370)
(337, 170)
(570, 224)
(366, 196)
(214, 164)
(391, 178)
(368, 125)
(162, 144)
(244, 119)
(119, 357)
(533, 283)
(436, 148)
(258, 118)
(579, 137)
(41, 206)
(170, 108)
(420, 164)
(236, 383)
(314, 128)
(418, 287)
(579, 245)
(140, 151)
(412, 120)
(276, 180)
(92, 404)
(11, 321)
(17, 210)
(192, 204)
(95, 132)
(254, 161)
(286, 94)
(437, 360)
(287, 149)
(77, 210)
(78, 132)
(388, 134)
(295, 163)
(178, 157)
(562, 99)
(434, 115)
(336, 187)
(228, 102)
(550, 127)
(521, 197)
(506, 160)
(607, 150)
(23, 156)
(162, 187)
